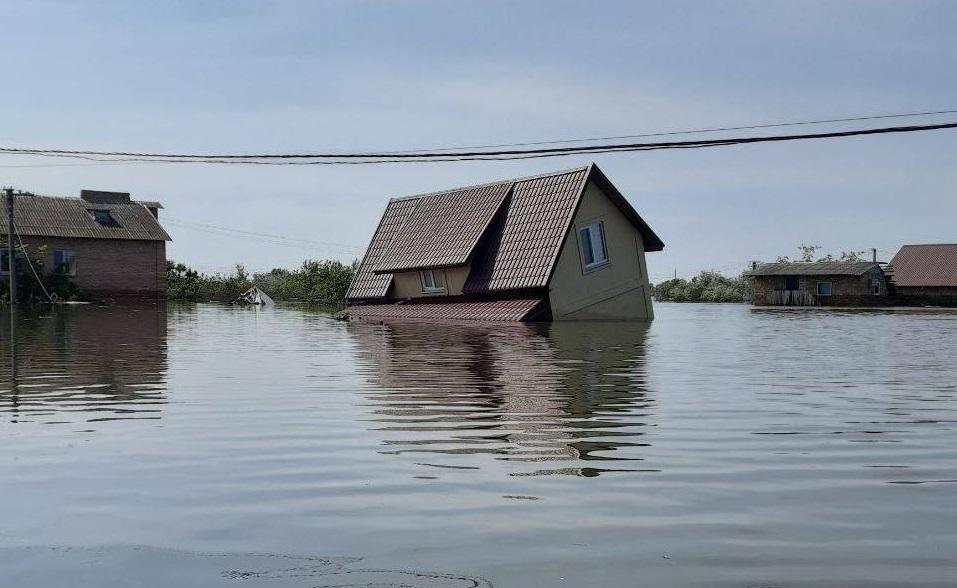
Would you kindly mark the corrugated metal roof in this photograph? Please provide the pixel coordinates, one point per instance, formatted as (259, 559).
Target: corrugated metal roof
(443, 229)
(925, 265)
(814, 268)
(365, 283)
(486, 310)
(523, 249)
(52, 216)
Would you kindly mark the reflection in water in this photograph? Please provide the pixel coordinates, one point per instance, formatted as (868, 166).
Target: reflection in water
(82, 363)
(571, 398)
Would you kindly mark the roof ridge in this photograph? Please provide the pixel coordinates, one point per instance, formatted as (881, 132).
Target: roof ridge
(929, 245)
(493, 183)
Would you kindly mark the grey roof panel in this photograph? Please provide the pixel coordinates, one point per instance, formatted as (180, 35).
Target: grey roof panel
(814, 268)
(52, 216)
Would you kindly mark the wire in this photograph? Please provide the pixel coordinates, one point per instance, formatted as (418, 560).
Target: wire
(243, 233)
(52, 298)
(372, 158)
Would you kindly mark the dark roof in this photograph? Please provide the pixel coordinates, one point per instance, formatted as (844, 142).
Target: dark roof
(521, 235)
(365, 283)
(512, 310)
(52, 216)
(925, 265)
(814, 268)
(443, 229)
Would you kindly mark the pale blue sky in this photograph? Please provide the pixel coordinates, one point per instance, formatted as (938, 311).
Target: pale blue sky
(304, 76)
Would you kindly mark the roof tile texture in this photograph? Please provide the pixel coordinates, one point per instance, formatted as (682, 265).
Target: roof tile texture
(486, 311)
(443, 229)
(926, 265)
(814, 268)
(365, 283)
(50, 216)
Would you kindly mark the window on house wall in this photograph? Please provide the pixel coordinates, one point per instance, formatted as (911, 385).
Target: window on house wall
(792, 283)
(824, 288)
(591, 240)
(430, 281)
(64, 262)
(875, 286)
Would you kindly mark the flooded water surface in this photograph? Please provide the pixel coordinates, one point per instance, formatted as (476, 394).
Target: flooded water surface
(716, 446)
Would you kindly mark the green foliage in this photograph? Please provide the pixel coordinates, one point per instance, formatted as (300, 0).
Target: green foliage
(29, 289)
(707, 286)
(809, 254)
(319, 282)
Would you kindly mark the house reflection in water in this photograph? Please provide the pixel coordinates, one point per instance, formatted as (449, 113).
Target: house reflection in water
(85, 364)
(570, 398)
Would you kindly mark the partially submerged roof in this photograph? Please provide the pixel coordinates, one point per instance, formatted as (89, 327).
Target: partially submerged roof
(925, 265)
(53, 216)
(814, 268)
(512, 310)
(511, 232)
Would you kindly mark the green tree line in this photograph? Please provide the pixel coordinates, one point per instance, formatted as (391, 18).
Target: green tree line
(707, 286)
(317, 282)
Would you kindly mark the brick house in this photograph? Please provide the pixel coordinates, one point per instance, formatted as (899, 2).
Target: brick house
(111, 246)
(821, 283)
(565, 245)
(925, 274)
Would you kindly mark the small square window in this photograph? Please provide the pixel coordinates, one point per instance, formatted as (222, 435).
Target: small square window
(591, 241)
(104, 218)
(823, 288)
(64, 262)
(792, 283)
(430, 281)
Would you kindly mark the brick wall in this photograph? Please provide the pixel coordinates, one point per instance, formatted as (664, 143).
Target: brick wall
(845, 290)
(112, 268)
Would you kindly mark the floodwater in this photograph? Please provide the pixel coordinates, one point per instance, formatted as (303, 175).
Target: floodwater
(206, 446)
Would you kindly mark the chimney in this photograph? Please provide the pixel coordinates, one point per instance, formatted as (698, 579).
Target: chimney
(754, 265)
(874, 254)
(102, 197)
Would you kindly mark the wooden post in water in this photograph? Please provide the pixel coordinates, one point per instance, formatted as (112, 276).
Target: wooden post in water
(11, 258)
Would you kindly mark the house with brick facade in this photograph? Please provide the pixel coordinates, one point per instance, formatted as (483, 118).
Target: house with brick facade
(820, 283)
(565, 245)
(925, 274)
(111, 246)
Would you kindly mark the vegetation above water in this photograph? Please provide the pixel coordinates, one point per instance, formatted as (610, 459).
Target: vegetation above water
(707, 286)
(318, 282)
(34, 285)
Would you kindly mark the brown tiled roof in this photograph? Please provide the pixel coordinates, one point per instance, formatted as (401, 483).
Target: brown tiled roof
(365, 283)
(522, 252)
(456, 310)
(51, 216)
(925, 265)
(814, 268)
(443, 229)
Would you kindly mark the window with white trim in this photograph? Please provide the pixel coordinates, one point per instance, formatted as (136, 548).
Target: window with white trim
(431, 283)
(824, 288)
(876, 286)
(591, 241)
(64, 262)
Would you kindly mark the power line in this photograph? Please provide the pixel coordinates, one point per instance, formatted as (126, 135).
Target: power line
(395, 157)
(277, 239)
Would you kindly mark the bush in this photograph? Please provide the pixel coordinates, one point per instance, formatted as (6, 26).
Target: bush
(29, 289)
(708, 286)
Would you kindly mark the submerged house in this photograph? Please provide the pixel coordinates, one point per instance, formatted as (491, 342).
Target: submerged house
(560, 246)
(821, 283)
(925, 274)
(109, 245)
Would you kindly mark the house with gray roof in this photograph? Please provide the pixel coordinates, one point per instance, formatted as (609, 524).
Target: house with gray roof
(110, 245)
(559, 246)
(819, 283)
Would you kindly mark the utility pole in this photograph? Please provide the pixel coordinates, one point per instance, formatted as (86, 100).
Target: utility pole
(11, 258)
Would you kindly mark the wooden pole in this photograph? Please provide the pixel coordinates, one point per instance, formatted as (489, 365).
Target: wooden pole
(11, 257)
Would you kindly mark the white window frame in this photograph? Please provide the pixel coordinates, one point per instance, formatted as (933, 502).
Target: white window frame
(594, 232)
(430, 282)
(72, 261)
(830, 288)
(876, 286)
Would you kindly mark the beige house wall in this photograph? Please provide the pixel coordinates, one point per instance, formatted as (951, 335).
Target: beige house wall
(409, 284)
(617, 290)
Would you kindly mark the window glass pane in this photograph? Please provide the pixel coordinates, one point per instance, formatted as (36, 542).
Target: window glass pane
(598, 242)
(587, 253)
(792, 283)
(823, 288)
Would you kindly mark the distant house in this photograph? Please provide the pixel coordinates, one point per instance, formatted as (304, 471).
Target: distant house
(823, 283)
(925, 274)
(563, 246)
(111, 246)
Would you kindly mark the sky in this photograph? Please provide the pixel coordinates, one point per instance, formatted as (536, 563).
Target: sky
(256, 76)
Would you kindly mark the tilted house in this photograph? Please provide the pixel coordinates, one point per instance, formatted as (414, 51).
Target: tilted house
(564, 245)
(925, 274)
(820, 283)
(110, 246)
